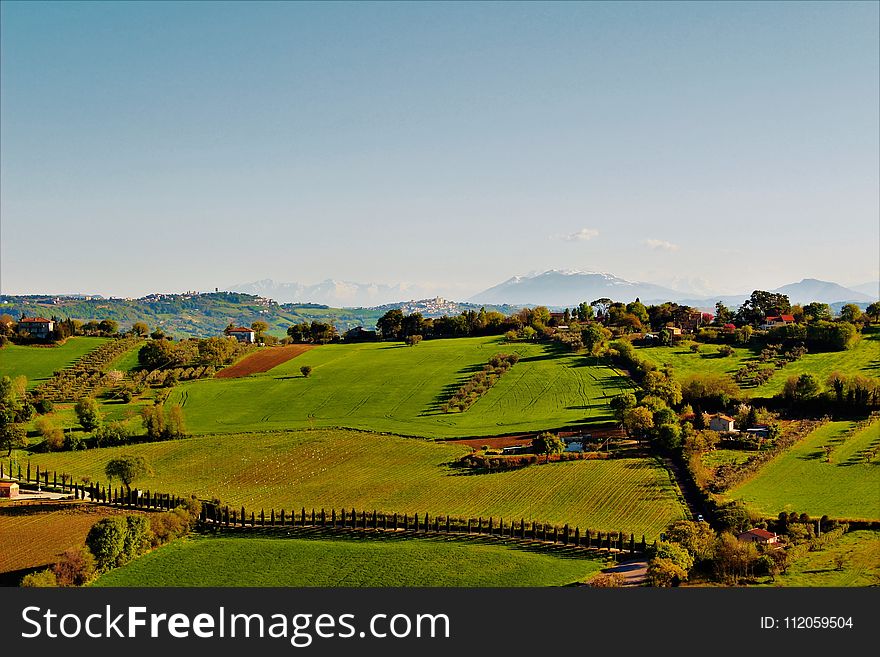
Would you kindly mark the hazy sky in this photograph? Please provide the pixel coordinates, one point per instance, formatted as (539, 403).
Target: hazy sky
(167, 147)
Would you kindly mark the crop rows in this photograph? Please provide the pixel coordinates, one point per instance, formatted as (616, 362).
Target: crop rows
(86, 375)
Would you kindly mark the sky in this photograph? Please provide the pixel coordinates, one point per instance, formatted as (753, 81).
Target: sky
(718, 148)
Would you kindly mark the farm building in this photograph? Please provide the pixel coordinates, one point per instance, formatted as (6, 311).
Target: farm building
(720, 422)
(8, 489)
(360, 334)
(242, 334)
(772, 321)
(36, 327)
(758, 536)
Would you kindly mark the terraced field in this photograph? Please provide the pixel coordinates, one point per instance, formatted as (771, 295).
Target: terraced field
(863, 358)
(801, 480)
(338, 468)
(399, 389)
(38, 363)
(204, 561)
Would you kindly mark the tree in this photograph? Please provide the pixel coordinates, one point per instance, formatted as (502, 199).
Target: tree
(548, 443)
(601, 306)
(140, 329)
(873, 312)
(698, 538)
(41, 579)
(723, 315)
(669, 436)
(108, 326)
(594, 338)
(390, 324)
(75, 568)
(584, 312)
(106, 541)
(815, 311)
(665, 572)
(801, 388)
(762, 304)
(127, 469)
(850, 313)
(88, 413)
(259, 327)
(663, 385)
(14, 411)
(216, 351)
(638, 421)
(306, 370)
(621, 404)
(413, 340)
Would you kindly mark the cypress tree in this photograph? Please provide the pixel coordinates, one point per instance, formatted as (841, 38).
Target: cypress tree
(323, 518)
(54, 476)
(522, 528)
(395, 521)
(447, 523)
(243, 515)
(490, 525)
(555, 534)
(273, 517)
(632, 543)
(282, 517)
(405, 522)
(333, 517)
(644, 544)
(577, 536)
(427, 525)
(469, 526)
(253, 520)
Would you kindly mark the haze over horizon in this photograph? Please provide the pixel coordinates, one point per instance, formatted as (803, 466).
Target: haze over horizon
(162, 147)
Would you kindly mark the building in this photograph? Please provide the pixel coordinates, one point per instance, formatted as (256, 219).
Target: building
(37, 327)
(360, 334)
(242, 334)
(8, 489)
(758, 536)
(774, 321)
(720, 422)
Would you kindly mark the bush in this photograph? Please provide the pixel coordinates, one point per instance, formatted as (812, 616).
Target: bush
(75, 568)
(106, 541)
(306, 370)
(41, 579)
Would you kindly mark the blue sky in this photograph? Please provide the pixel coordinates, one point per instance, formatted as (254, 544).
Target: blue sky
(167, 147)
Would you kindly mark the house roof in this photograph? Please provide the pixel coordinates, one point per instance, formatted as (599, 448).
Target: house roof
(7, 484)
(34, 320)
(761, 533)
(724, 417)
(241, 329)
(784, 318)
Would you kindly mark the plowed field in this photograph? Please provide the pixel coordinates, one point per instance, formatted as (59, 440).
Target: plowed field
(263, 361)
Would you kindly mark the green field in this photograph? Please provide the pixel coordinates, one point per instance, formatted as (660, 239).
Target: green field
(800, 479)
(863, 358)
(398, 389)
(38, 363)
(348, 562)
(337, 468)
(725, 457)
(860, 552)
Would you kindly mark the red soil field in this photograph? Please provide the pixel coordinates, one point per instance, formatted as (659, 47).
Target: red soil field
(263, 361)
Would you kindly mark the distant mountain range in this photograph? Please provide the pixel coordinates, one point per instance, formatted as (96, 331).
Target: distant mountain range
(554, 288)
(334, 293)
(570, 287)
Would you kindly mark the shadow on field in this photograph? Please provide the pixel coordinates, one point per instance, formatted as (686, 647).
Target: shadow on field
(557, 550)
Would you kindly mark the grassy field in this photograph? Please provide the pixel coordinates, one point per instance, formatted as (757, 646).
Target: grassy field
(127, 361)
(337, 468)
(32, 537)
(801, 480)
(398, 389)
(38, 363)
(352, 562)
(725, 457)
(860, 553)
(863, 358)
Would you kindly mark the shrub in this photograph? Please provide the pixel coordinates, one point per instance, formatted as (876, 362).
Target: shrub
(75, 568)
(41, 579)
(106, 541)
(306, 370)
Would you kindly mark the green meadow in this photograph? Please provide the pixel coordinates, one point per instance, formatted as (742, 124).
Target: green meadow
(338, 468)
(399, 389)
(38, 363)
(349, 562)
(801, 480)
(853, 560)
(863, 358)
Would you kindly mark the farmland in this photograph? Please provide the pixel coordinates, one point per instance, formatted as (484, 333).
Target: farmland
(859, 563)
(263, 361)
(801, 480)
(32, 537)
(38, 363)
(399, 389)
(342, 562)
(337, 468)
(864, 358)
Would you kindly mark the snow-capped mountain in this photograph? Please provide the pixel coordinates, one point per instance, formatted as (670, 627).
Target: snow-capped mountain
(339, 294)
(568, 287)
(811, 289)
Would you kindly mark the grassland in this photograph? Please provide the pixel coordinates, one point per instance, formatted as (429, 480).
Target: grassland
(399, 389)
(337, 468)
(801, 480)
(725, 457)
(31, 537)
(360, 562)
(864, 358)
(859, 554)
(38, 363)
